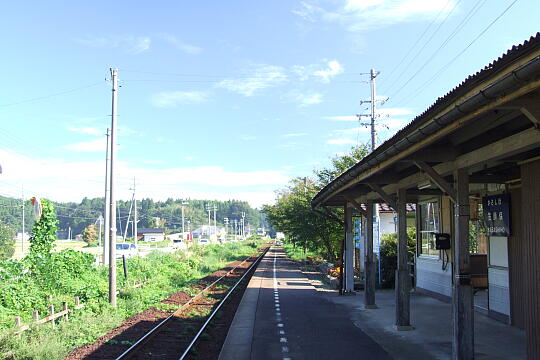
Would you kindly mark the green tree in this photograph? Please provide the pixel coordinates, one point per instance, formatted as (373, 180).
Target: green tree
(7, 242)
(339, 164)
(293, 215)
(292, 212)
(90, 235)
(44, 230)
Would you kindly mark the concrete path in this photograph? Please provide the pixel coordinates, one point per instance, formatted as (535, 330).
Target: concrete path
(432, 334)
(282, 316)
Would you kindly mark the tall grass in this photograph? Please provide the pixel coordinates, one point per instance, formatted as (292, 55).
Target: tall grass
(162, 275)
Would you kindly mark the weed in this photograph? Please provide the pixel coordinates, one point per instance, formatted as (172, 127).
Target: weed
(62, 275)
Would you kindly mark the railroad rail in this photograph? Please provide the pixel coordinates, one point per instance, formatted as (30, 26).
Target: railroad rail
(134, 349)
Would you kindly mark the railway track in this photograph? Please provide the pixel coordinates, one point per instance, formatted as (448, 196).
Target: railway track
(175, 336)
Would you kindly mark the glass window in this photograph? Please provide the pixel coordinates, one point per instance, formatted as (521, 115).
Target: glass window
(430, 223)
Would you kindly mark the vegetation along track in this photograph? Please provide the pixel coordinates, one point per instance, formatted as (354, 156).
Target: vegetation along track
(175, 336)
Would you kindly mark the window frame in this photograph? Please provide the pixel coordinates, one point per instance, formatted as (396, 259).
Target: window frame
(419, 242)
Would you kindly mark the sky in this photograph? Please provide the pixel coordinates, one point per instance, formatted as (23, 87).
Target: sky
(224, 99)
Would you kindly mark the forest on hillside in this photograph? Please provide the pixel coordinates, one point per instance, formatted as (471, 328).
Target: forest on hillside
(167, 214)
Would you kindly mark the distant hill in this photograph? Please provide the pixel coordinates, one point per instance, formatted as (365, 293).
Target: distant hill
(79, 215)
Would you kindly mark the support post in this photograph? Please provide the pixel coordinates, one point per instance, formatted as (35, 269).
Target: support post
(403, 280)
(462, 296)
(65, 308)
(51, 313)
(349, 251)
(369, 292)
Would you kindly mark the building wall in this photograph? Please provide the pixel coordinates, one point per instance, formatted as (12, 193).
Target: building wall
(498, 276)
(154, 237)
(431, 277)
(530, 226)
(516, 253)
(388, 225)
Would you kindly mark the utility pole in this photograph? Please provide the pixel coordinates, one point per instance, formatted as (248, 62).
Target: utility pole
(129, 215)
(215, 224)
(209, 225)
(226, 221)
(373, 74)
(112, 209)
(135, 220)
(243, 225)
(100, 222)
(183, 228)
(373, 115)
(22, 237)
(106, 227)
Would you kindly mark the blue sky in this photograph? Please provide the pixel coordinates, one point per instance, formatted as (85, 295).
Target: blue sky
(223, 99)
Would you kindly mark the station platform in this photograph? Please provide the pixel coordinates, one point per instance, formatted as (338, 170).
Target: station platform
(283, 316)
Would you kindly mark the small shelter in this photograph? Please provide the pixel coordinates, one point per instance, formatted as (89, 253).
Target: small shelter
(151, 234)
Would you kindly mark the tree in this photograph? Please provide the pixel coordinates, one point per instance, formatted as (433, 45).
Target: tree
(340, 163)
(90, 235)
(44, 230)
(157, 223)
(292, 213)
(7, 242)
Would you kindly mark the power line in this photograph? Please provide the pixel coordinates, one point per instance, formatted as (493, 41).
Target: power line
(424, 46)
(454, 32)
(448, 64)
(417, 41)
(50, 95)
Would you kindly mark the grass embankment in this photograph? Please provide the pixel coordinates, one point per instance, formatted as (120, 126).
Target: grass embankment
(25, 287)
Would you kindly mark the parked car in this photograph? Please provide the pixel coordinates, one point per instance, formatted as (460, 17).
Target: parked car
(177, 243)
(127, 250)
(204, 242)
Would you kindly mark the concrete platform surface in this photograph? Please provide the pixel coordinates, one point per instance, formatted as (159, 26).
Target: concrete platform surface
(286, 317)
(283, 316)
(431, 337)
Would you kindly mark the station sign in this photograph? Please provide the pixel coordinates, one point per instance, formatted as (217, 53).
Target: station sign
(496, 209)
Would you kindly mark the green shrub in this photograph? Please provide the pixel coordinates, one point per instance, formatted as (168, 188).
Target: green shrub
(388, 249)
(7, 242)
(37, 281)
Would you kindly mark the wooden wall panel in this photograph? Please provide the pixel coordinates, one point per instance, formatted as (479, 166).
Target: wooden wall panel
(516, 264)
(530, 211)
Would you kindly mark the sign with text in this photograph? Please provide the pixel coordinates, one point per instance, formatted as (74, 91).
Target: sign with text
(496, 210)
(357, 233)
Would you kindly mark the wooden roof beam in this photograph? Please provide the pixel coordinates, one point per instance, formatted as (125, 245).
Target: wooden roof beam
(434, 154)
(356, 205)
(379, 190)
(437, 179)
(528, 106)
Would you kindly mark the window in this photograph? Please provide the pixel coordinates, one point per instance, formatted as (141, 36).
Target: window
(430, 223)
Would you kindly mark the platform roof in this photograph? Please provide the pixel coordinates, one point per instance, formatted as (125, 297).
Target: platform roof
(498, 102)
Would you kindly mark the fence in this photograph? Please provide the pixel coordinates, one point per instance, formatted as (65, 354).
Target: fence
(50, 318)
(19, 328)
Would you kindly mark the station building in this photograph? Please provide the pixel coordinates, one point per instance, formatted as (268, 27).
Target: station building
(471, 164)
